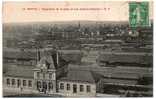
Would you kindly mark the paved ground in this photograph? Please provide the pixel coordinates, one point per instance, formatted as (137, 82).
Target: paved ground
(11, 94)
(33, 95)
(27, 93)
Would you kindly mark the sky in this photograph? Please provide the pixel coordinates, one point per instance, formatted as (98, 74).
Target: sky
(13, 12)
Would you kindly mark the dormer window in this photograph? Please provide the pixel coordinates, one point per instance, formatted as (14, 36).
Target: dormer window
(38, 65)
(44, 66)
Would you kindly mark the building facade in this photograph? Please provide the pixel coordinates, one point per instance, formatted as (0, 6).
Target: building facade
(77, 83)
(50, 76)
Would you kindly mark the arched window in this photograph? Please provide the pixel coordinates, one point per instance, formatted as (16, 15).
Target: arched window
(43, 75)
(38, 75)
(38, 84)
(13, 81)
(61, 86)
(68, 86)
(50, 75)
(24, 82)
(88, 88)
(50, 85)
(18, 82)
(74, 88)
(44, 85)
(30, 83)
(81, 88)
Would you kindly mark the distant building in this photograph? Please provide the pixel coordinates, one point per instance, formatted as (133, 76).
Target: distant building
(142, 59)
(19, 57)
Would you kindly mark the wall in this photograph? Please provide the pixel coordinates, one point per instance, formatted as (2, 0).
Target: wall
(15, 88)
(61, 71)
(82, 94)
(46, 79)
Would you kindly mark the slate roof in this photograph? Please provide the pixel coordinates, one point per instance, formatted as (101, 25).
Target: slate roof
(119, 81)
(79, 76)
(111, 72)
(19, 54)
(20, 71)
(144, 58)
(107, 70)
(118, 75)
(50, 60)
(70, 51)
(125, 75)
(73, 56)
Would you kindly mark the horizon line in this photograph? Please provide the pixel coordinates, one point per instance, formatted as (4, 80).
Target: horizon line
(67, 21)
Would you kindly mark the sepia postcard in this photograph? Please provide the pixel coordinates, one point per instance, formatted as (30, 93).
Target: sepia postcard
(78, 48)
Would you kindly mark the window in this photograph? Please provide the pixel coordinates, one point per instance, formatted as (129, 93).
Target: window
(61, 86)
(13, 81)
(38, 84)
(81, 88)
(18, 82)
(38, 75)
(8, 81)
(74, 88)
(88, 88)
(50, 75)
(43, 75)
(24, 82)
(44, 85)
(50, 85)
(30, 83)
(68, 86)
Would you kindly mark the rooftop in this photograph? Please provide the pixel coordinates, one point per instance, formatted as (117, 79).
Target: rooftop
(19, 54)
(115, 72)
(119, 81)
(19, 71)
(79, 76)
(133, 57)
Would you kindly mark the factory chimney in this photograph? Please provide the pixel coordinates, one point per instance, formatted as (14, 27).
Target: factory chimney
(57, 58)
(38, 55)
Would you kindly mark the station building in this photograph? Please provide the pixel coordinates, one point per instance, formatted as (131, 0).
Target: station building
(50, 76)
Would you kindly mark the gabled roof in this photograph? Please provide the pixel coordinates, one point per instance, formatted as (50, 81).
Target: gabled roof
(48, 61)
(79, 76)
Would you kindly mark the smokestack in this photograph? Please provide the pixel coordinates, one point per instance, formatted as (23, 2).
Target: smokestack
(57, 58)
(38, 55)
